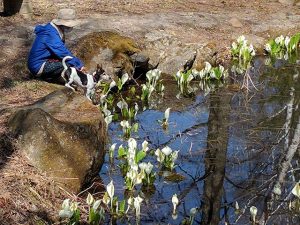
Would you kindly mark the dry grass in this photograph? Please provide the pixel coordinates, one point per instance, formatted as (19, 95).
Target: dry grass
(27, 196)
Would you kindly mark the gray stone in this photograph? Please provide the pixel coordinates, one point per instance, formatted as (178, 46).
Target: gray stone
(287, 2)
(64, 135)
(235, 22)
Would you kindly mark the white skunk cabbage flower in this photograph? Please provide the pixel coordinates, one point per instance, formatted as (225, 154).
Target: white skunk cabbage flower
(74, 206)
(234, 46)
(287, 41)
(112, 150)
(268, 47)
(160, 155)
(207, 67)
(132, 143)
(65, 213)
(112, 84)
(124, 124)
(279, 40)
(277, 189)
(67, 210)
(145, 147)
(143, 166)
(66, 204)
(108, 119)
(136, 109)
(174, 155)
(167, 150)
(96, 205)
(296, 190)
(236, 206)
(167, 114)
(90, 199)
(103, 98)
(251, 50)
(148, 168)
(193, 211)
(110, 190)
(253, 212)
(137, 205)
(124, 78)
(241, 39)
(175, 202)
(106, 198)
(122, 105)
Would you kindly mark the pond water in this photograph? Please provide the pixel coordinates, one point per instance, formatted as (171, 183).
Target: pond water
(234, 146)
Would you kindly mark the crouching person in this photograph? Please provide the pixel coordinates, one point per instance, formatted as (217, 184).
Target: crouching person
(48, 49)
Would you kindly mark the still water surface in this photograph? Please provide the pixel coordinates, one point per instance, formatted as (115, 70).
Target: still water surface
(234, 147)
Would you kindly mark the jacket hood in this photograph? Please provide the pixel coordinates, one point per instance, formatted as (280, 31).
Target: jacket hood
(43, 29)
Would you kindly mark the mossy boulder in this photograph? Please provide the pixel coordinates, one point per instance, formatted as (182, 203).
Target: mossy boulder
(64, 135)
(116, 53)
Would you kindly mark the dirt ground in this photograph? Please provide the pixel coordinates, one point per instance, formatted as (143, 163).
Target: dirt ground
(27, 195)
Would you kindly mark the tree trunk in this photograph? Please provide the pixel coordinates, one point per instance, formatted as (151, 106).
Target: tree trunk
(12, 7)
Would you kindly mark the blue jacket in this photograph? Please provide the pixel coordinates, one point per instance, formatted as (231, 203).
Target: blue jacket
(48, 45)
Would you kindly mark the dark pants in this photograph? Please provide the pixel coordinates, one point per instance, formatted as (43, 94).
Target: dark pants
(52, 72)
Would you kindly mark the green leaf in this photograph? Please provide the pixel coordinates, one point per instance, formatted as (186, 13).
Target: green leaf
(135, 127)
(132, 90)
(122, 152)
(122, 206)
(140, 155)
(115, 117)
(75, 218)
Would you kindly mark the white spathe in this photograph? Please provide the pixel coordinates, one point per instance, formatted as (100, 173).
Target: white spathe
(110, 190)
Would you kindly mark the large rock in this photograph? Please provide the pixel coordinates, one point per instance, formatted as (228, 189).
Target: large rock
(116, 53)
(64, 135)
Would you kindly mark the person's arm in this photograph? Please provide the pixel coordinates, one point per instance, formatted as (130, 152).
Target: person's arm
(58, 48)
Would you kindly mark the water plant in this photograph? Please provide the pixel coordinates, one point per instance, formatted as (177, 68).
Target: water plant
(128, 128)
(133, 177)
(283, 47)
(137, 205)
(167, 157)
(146, 92)
(95, 215)
(153, 77)
(151, 85)
(128, 113)
(108, 117)
(165, 121)
(131, 156)
(111, 150)
(149, 175)
(70, 212)
(242, 54)
(210, 73)
(175, 202)
(108, 120)
(110, 188)
(183, 82)
(253, 213)
(296, 190)
(121, 81)
(106, 87)
(193, 212)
